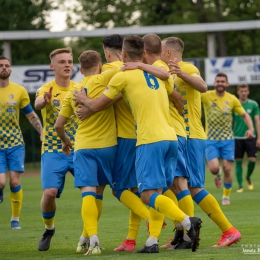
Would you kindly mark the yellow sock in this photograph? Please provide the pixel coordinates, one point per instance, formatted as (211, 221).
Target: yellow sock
(185, 202)
(84, 231)
(134, 203)
(167, 207)
(211, 207)
(168, 193)
(134, 224)
(227, 189)
(16, 197)
(89, 213)
(99, 203)
(48, 219)
(155, 223)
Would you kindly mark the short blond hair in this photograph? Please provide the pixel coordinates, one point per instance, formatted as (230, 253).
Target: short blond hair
(62, 50)
(89, 59)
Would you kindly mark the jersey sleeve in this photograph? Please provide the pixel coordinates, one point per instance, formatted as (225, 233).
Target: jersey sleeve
(256, 109)
(67, 109)
(115, 85)
(25, 100)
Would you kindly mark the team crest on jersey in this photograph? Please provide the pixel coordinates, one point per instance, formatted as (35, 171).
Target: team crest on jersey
(56, 102)
(226, 102)
(214, 104)
(107, 88)
(11, 96)
(249, 111)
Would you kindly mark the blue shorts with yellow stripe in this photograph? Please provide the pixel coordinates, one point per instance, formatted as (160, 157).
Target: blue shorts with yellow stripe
(124, 175)
(93, 167)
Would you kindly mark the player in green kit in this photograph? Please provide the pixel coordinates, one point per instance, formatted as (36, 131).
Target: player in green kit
(242, 144)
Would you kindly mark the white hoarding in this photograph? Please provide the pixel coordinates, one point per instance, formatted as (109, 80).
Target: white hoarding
(33, 77)
(242, 69)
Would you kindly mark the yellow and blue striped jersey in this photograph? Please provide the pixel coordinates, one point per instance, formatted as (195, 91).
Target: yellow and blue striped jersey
(218, 114)
(51, 142)
(13, 98)
(124, 118)
(148, 100)
(192, 102)
(176, 119)
(99, 130)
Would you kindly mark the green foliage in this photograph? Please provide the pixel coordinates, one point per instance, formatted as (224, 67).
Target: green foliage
(28, 15)
(22, 244)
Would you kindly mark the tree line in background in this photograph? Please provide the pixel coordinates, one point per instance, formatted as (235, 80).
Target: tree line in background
(32, 15)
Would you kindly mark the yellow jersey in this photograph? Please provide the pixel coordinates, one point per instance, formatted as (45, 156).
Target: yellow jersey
(51, 142)
(99, 130)
(124, 118)
(192, 102)
(148, 100)
(13, 98)
(218, 114)
(176, 119)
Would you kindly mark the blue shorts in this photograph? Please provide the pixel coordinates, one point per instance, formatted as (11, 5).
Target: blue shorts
(124, 175)
(12, 158)
(196, 162)
(181, 168)
(54, 167)
(93, 167)
(155, 164)
(224, 149)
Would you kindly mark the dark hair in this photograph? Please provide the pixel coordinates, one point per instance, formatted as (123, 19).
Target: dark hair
(114, 41)
(221, 74)
(134, 46)
(4, 58)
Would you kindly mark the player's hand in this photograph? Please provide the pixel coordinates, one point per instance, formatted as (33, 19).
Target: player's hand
(67, 146)
(47, 95)
(83, 112)
(129, 66)
(174, 67)
(249, 133)
(258, 143)
(79, 96)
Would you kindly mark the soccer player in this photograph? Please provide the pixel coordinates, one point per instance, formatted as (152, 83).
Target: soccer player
(152, 55)
(218, 107)
(124, 177)
(95, 143)
(243, 144)
(12, 148)
(49, 100)
(156, 148)
(190, 84)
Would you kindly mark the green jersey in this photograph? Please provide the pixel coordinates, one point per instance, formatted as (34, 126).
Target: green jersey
(240, 128)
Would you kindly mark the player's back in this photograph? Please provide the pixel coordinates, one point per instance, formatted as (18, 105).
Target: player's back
(148, 99)
(99, 130)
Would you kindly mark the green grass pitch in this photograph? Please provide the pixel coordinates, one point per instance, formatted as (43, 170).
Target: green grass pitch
(243, 213)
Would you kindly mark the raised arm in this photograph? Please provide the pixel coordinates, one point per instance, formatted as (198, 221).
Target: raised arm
(195, 82)
(94, 105)
(41, 102)
(158, 72)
